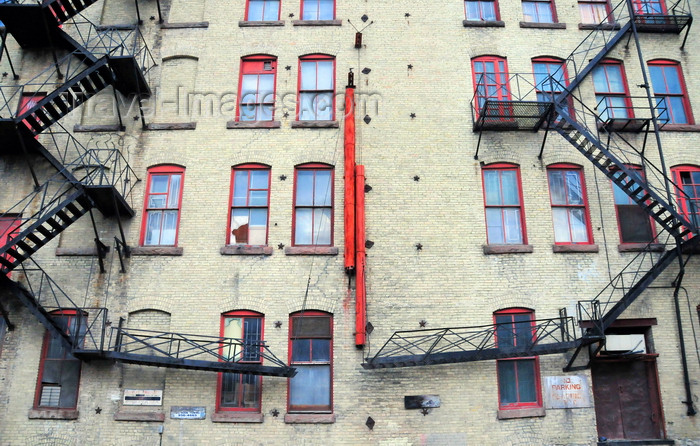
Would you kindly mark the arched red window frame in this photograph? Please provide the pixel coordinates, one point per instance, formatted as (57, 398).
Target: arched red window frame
(248, 167)
(162, 169)
(520, 206)
(254, 64)
(314, 167)
(682, 198)
(315, 58)
(625, 94)
(640, 171)
(681, 79)
(589, 229)
(498, 73)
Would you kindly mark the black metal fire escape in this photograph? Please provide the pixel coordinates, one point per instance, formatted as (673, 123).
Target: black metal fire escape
(87, 59)
(600, 141)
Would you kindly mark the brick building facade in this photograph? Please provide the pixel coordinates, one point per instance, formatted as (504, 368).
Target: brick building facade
(526, 271)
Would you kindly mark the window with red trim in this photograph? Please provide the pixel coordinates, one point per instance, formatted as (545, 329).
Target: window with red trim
(162, 206)
(539, 11)
(687, 178)
(481, 10)
(250, 201)
(316, 88)
(313, 205)
(27, 101)
(550, 80)
(567, 192)
(317, 9)
(505, 220)
(518, 378)
(594, 11)
(611, 91)
(649, 7)
(59, 371)
(670, 92)
(262, 10)
(490, 76)
(256, 89)
(311, 353)
(634, 223)
(237, 391)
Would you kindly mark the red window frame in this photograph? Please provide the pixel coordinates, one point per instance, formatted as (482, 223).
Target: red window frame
(649, 7)
(168, 170)
(27, 101)
(242, 380)
(257, 65)
(688, 203)
(480, 3)
(297, 320)
(500, 168)
(252, 194)
(624, 205)
(314, 206)
(317, 90)
(8, 229)
(502, 365)
(671, 98)
(622, 107)
(570, 206)
(319, 3)
(536, 4)
(552, 65)
(592, 6)
(496, 80)
(63, 359)
(265, 5)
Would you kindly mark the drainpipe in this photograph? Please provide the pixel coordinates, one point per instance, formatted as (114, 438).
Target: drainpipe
(686, 378)
(350, 175)
(360, 289)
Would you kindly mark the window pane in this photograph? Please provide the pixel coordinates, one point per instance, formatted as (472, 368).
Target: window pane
(153, 228)
(169, 228)
(504, 331)
(249, 88)
(325, 75)
(488, 11)
(527, 390)
(322, 227)
(556, 187)
(657, 79)
(322, 191)
(258, 227)
(302, 232)
(324, 106)
(258, 198)
(506, 382)
(573, 187)
(514, 233)
(70, 376)
(259, 179)
(493, 187)
(494, 226)
(673, 82)
(272, 10)
(635, 226)
(522, 324)
(311, 386)
(544, 12)
(159, 184)
(174, 193)
(240, 188)
(473, 10)
(310, 11)
(311, 326)
(308, 75)
(326, 10)
(509, 181)
(529, 12)
(561, 225)
(267, 88)
(239, 226)
(255, 10)
(301, 350)
(305, 184)
(307, 111)
(579, 231)
(233, 328)
(677, 110)
(321, 350)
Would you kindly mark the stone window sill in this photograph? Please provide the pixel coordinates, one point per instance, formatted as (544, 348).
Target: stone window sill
(253, 124)
(315, 124)
(483, 24)
(543, 25)
(530, 412)
(605, 27)
(311, 250)
(574, 248)
(245, 250)
(507, 249)
(172, 126)
(639, 247)
(309, 418)
(680, 128)
(156, 251)
(237, 417)
(140, 416)
(184, 25)
(53, 414)
(98, 128)
(255, 23)
(336, 22)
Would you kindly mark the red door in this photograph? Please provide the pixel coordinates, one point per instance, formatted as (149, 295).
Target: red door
(627, 402)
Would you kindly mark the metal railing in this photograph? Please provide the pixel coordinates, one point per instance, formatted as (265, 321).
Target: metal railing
(607, 109)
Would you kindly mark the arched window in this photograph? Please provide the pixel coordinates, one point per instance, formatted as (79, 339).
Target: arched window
(162, 205)
(256, 88)
(670, 92)
(505, 219)
(316, 88)
(567, 192)
(250, 201)
(237, 391)
(313, 205)
(634, 223)
(518, 378)
(611, 90)
(490, 75)
(687, 179)
(311, 353)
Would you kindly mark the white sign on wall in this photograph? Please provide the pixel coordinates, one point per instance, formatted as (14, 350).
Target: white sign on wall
(566, 392)
(133, 397)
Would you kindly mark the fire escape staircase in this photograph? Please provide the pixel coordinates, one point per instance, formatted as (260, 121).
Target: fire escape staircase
(96, 57)
(566, 115)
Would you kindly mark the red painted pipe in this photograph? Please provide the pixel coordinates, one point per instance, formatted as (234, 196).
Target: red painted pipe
(350, 176)
(360, 289)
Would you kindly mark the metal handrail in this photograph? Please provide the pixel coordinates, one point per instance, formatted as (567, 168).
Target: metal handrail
(630, 111)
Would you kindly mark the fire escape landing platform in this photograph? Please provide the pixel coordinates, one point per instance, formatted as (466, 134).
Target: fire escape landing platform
(512, 115)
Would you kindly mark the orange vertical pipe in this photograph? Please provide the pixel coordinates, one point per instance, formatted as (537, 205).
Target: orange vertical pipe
(350, 175)
(360, 289)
